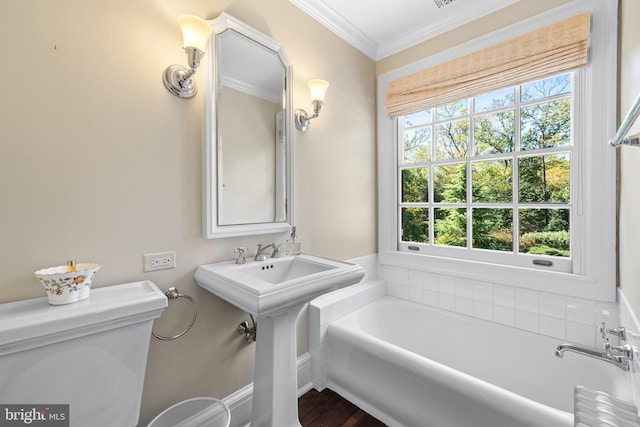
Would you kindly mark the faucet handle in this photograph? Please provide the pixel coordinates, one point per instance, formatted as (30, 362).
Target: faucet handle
(620, 332)
(276, 250)
(619, 350)
(241, 259)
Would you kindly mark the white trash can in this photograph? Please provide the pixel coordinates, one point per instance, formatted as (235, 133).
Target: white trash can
(196, 412)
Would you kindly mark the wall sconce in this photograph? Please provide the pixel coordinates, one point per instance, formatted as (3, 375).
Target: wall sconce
(317, 88)
(195, 33)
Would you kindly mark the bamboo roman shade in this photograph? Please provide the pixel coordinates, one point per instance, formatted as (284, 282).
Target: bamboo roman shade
(559, 47)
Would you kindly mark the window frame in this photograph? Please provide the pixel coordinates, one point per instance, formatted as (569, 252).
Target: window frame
(509, 258)
(595, 88)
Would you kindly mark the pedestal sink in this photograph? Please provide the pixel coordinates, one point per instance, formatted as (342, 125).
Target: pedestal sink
(274, 291)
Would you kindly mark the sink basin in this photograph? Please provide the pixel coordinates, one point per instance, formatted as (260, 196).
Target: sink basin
(281, 271)
(274, 291)
(276, 285)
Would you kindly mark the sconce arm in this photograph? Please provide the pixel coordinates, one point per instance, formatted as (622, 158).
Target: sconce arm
(302, 117)
(178, 78)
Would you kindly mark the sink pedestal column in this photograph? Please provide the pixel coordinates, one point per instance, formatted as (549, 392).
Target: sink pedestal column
(275, 377)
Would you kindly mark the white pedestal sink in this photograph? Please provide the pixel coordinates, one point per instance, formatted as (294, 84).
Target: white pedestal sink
(274, 291)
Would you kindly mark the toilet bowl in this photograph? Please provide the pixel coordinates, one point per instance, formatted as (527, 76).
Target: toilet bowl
(196, 412)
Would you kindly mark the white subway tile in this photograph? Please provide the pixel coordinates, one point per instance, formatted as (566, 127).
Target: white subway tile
(319, 373)
(553, 327)
(415, 278)
(580, 310)
(581, 334)
(464, 306)
(504, 296)
(607, 312)
(430, 282)
(340, 309)
(358, 300)
(553, 305)
(483, 310)
(326, 315)
(431, 298)
(446, 285)
(447, 302)
(402, 291)
(318, 335)
(389, 274)
(483, 292)
(416, 294)
(527, 300)
(504, 315)
(391, 289)
(464, 288)
(528, 321)
(402, 276)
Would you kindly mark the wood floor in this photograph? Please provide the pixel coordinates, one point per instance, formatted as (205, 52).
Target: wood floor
(328, 409)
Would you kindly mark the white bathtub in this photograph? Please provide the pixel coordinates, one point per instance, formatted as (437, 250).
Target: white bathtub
(412, 365)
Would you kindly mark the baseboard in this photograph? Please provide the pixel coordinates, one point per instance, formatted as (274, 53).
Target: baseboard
(239, 403)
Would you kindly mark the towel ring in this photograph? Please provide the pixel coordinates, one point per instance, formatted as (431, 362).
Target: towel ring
(173, 293)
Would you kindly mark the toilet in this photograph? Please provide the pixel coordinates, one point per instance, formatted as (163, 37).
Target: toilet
(90, 355)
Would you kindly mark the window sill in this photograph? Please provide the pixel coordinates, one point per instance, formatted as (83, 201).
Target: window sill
(582, 286)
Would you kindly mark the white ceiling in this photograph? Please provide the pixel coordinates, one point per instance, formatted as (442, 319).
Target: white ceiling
(380, 28)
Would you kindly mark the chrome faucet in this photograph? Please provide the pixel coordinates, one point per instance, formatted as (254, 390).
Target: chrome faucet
(621, 355)
(260, 256)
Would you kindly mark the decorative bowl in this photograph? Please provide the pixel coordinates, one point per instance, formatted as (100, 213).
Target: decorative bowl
(64, 287)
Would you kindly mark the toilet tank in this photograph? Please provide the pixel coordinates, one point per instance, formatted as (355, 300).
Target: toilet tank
(90, 354)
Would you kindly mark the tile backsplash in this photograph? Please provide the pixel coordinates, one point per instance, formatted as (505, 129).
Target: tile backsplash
(558, 316)
(629, 319)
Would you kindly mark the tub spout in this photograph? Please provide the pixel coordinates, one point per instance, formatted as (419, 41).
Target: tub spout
(591, 352)
(608, 355)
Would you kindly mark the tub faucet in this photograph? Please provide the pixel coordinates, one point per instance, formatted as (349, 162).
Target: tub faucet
(620, 356)
(260, 256)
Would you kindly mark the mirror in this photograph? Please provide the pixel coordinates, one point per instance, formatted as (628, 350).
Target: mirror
(247, 137)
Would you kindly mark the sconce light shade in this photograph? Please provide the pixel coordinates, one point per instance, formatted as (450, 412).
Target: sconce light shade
(195, 33)
(317, 88)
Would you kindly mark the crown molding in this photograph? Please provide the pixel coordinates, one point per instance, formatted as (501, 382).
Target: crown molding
(322, 13)
(325, 15)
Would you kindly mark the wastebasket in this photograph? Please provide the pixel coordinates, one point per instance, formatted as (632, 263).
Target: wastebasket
(196, 412)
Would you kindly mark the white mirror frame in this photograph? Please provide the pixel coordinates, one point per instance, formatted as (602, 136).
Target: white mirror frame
(210, 152)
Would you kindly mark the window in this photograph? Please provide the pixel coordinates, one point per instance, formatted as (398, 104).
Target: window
(490, 176)
(465, 175)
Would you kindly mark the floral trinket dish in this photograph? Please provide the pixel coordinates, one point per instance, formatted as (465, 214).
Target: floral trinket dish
(63, 286)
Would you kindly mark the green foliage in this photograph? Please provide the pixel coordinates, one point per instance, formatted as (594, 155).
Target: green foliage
(546, 250)
(494, 133)
(553, 243)
(415, 225)
(541, 178)
(417, 145)
(492, 229)
(555, 239)
(415, 185)
(492, 181)
(450, 227)
(545, 178)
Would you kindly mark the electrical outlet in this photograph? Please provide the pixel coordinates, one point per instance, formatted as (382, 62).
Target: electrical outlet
(159, 261)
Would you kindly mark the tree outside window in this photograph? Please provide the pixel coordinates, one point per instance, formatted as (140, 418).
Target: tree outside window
(487, 172)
